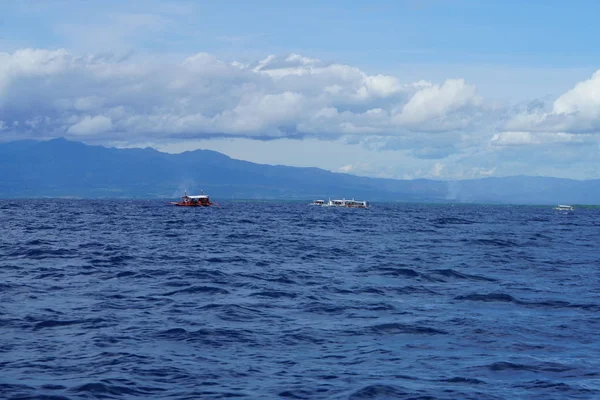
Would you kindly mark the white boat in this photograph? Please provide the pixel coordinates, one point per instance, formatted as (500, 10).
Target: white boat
(564, 207)
(357, 203)
(342, 203)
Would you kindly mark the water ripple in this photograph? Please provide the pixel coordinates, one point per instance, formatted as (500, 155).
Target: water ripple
(139, 300)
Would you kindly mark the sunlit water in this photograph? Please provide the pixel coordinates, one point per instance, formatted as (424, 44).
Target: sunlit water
(128, 300)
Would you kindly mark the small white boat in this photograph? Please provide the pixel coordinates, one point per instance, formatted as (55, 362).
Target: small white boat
(564, 207)
(342, 203)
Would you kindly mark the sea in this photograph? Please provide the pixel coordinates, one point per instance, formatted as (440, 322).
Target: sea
(124, 299)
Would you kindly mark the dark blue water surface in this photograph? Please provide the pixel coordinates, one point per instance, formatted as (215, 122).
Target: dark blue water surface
(140, 300)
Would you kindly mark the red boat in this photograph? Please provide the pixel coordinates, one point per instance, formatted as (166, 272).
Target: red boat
(194, 201)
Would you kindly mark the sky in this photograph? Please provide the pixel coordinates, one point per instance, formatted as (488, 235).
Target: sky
(438, 89)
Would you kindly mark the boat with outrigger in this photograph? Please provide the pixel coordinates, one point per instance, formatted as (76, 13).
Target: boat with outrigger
(341, 203)
(564, 207)
(200, 200)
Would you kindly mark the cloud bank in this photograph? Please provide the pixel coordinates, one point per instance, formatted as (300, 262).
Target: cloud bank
(144, 99)
(59, 93)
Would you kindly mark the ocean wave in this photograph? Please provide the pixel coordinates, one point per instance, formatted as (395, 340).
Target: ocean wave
(135, 299)
(198, 290)
(380, 391)
(500, 366)
(396, 328)
(504, 297)
(453, 274)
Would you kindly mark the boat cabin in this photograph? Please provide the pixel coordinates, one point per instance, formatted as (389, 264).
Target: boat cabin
(337, 203)
(564, 207)
(357, 204)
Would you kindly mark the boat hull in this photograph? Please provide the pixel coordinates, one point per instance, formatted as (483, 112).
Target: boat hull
(562, 207)
(191, 205)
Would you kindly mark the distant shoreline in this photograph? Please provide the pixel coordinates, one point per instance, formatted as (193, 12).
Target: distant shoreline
(223, 201)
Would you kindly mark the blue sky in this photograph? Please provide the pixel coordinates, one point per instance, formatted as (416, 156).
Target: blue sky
(535, 33)
(405, 89)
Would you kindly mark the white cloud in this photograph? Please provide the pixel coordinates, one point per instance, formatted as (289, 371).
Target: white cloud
(576, 111)
(583, 99)
(202, 95)
(379, 86)
(264, 114)
(513, 139)
(91, 125)
(300, 59)
(346, 168)
(504, 139)
(442, 104)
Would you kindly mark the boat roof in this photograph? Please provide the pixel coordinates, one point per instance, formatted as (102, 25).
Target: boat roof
(203, 196)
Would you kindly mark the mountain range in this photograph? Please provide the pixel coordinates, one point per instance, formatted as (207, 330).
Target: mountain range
(62, 168)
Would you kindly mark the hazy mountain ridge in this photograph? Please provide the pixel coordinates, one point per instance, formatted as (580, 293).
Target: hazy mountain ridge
(61, 168)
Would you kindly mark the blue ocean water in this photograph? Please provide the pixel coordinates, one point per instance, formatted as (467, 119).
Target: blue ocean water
(140, 300)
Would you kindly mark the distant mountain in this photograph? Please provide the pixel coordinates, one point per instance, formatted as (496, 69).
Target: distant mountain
(62, 168)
